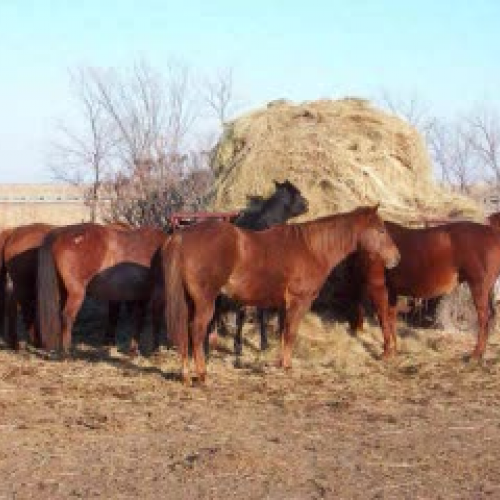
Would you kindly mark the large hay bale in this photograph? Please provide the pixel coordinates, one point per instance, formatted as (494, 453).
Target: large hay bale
(340, 153)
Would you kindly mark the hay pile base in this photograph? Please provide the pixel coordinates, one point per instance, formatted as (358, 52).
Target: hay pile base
(341, 154)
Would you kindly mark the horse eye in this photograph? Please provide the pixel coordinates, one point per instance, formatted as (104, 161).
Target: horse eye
(381, 230)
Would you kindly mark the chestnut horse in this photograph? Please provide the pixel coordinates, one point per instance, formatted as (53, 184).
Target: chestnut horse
(19, 261)
(433, 262)
(106, 262)
(281, 267)
(494, 220)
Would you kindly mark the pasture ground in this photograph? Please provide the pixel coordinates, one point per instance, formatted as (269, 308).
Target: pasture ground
(340, 424)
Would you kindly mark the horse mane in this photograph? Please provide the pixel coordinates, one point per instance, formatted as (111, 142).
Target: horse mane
(322, 240)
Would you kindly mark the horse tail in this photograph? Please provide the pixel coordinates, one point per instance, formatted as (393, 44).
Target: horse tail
(175, 296)
(48, 298)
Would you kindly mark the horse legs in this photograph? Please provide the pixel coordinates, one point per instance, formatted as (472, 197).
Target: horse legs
(11, 333)
(156, 315)
(380, 300)
(211, 331)
(21, 300)
(109, 338)
(480, 295)
(294, 312)
(392, 315)
(29, 316)
(263, 315)
(357, 321)
(182, 342)
(202, 317)
(139, 309)
(74, 300)
(238, 336)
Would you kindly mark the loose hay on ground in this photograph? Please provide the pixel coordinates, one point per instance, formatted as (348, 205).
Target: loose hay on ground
(104, 426)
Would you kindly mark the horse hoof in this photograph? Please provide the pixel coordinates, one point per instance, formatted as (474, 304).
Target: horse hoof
(186, 379)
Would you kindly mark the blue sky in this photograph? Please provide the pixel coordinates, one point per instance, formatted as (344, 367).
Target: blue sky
(446, 53)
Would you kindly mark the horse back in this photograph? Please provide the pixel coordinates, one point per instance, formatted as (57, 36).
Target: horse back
(4, 236)
(476, 248)
(434, 260)
(136, 245)
(25, 238)
(21, 252)
(428, 265)
(80, 250)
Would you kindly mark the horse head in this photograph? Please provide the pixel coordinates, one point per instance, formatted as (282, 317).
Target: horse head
(292, 198)
(374, 238)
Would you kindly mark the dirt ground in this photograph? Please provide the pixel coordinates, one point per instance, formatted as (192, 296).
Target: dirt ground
(340, 424)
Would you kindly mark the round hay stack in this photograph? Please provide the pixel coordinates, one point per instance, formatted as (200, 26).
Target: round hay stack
(340, 153)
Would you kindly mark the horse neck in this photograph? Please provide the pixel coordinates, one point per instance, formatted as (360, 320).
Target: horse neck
(333, 238)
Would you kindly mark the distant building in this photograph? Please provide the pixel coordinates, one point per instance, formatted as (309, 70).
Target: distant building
(50, 203)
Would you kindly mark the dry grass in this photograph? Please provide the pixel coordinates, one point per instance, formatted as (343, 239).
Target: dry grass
(341, 424)
(340, 154)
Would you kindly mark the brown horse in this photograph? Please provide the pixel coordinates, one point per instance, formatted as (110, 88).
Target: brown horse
(433, 261)
(282, 267)
(107, 263)
(19, 261)
(494, 220)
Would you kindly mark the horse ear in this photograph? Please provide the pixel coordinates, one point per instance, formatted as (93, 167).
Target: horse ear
(376, 207)
(277, 184)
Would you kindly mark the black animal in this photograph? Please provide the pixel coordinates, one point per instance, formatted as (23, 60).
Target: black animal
(285, 203)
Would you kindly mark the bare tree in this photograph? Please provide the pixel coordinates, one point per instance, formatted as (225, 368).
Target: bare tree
(155, 116)
(145, 138)
(413, 109)
(452, 153)
(80, 156)
(218, 94)
(483, 135)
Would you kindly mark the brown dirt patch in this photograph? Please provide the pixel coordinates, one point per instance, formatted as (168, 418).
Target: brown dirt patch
(341, 424)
